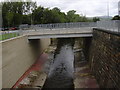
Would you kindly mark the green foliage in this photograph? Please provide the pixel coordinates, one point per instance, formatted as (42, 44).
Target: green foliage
(13, 12)
(8, 35)
(17, 19)
(37, 15)
(71, 15)
(16, 13)
(47, 16)
(26, 19)
(117, 17)
(95, 19)
(9, 17)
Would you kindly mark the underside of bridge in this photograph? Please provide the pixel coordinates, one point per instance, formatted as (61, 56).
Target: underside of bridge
(60, 35)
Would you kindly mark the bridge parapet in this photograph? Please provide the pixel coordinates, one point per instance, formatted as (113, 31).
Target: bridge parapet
(109, 25)
(64, 25)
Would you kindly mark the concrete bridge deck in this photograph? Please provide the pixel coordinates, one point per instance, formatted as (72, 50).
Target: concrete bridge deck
(59, 33)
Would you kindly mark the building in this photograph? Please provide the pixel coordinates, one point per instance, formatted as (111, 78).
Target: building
(119, 8)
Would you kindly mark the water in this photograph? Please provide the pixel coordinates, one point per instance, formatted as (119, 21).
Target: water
(61, 71)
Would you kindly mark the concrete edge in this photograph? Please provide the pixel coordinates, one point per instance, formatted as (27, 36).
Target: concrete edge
(12, 39)
(106, 31)
(36, 66)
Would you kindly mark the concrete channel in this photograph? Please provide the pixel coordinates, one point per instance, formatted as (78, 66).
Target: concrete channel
(65, 67)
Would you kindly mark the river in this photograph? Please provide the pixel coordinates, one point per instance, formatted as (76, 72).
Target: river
(62, 68)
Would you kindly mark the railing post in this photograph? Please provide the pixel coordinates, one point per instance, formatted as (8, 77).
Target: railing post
(119, 26)
(62, 25)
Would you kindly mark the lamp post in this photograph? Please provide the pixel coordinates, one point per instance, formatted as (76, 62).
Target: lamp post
(108, 8)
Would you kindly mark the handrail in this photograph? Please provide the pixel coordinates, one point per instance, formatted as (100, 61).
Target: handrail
(109, 25)
(64, 25)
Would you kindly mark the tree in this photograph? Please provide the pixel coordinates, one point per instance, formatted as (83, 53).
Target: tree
(56, 10)
(16, 13)
(12, 12)
(117, 17)
(95, 19)
(71, 15)
(9, 18)
(37, 15)
(56, 15)
(63, 17)
(17, 19)
(26, 19)
(48, 16)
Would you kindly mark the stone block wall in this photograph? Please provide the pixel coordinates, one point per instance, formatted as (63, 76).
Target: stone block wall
(105, 58)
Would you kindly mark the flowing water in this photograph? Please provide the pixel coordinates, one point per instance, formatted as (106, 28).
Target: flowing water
(62, 69)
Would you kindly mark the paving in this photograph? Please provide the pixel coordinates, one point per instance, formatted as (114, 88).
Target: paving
(59, 33)
(83, 76)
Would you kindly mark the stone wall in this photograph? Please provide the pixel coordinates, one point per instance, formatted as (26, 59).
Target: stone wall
(86, 47)
(105, 58)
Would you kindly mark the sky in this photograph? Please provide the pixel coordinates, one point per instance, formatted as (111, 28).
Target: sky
(89, 8)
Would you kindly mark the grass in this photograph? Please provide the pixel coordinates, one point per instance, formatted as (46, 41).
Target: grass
(8, 35)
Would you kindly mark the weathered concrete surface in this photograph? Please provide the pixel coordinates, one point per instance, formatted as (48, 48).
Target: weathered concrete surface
(38, 71)
(83, 76)
(18, 55)
(86, 47)
(0, 66)
(39, 82)
(44, 43)
(59, 33)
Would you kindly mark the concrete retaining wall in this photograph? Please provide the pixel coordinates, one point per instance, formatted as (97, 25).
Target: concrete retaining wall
(44, 42)
(17, 56)
(105, 58)
(0, 66)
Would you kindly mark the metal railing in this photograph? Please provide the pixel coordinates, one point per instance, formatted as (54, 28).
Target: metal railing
(64, 25)
(109, 25)
(9, 34)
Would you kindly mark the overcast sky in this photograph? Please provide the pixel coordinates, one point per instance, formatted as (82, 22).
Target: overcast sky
(89, 8)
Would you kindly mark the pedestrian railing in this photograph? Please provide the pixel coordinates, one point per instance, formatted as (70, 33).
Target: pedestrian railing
(8, 34)
(64, 25)
(109, 25)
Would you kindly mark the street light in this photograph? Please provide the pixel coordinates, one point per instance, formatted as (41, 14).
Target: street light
(108, 8)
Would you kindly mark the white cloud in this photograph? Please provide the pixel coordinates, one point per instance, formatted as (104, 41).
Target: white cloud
(85, 7)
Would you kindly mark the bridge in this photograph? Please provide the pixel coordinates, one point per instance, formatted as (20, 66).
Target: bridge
(60, 33)
(60, 30)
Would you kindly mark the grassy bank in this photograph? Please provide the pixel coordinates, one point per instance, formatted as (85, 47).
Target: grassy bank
(8, 35)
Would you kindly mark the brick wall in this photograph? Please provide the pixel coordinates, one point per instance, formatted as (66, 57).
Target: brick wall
(105, 58)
